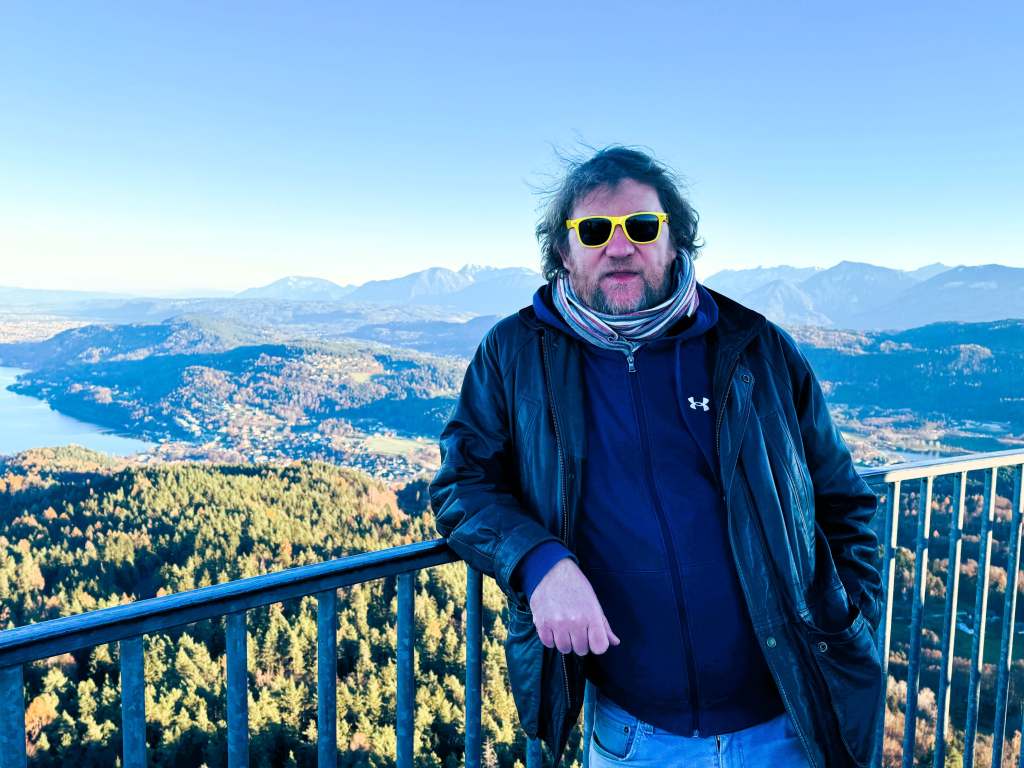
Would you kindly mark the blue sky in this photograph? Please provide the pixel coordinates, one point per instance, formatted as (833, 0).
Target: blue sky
(169, 147)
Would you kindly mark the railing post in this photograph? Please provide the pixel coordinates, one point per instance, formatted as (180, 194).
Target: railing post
(1009, 619)
(238, 691)
(980, 616)
(327, 679)
(406, 699)
(474, 641)
(956, 525)
(924, 517)
(892, 515)
(133, 703)
(12, 718)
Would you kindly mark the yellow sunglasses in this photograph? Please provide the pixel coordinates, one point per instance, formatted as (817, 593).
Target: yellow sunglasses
(595, 231)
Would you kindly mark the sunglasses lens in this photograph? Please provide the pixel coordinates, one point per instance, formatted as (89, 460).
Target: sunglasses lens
(643, 228)
(594, 231)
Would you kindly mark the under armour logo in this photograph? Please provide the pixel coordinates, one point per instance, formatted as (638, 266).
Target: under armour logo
(703, 404)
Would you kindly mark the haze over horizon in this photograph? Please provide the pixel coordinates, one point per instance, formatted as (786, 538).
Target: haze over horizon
(175, 150)
(207, 292)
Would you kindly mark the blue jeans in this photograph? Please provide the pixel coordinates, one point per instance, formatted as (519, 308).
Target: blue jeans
(619, 738)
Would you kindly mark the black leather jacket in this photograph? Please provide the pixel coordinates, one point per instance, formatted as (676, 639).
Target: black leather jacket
(798, 518)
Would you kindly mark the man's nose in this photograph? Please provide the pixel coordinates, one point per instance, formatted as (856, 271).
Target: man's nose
(619, 245)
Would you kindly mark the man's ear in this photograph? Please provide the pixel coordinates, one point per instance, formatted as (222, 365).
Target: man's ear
(562, 249)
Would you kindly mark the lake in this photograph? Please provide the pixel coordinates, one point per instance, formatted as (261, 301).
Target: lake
(26, 422)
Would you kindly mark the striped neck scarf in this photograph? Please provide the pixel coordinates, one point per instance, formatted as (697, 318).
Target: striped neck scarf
(629, 331)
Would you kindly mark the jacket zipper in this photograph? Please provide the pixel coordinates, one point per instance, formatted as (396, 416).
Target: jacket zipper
(732, 549)
(691, 667)
(563, 533)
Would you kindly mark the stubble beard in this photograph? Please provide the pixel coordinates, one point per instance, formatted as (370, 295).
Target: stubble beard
(595, 298)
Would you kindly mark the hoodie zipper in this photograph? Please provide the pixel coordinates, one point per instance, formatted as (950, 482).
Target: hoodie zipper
(691, 666)
(563, 532)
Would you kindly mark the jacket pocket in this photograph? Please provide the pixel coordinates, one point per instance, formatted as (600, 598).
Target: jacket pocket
(828, 605)
(852, 673)
(524, 656)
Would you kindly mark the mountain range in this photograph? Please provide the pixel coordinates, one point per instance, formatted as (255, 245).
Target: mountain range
(474, 288)
(477, 289)
(298, 288)
(860, 296)
(854, 295)
(436, 291)
(850, 294)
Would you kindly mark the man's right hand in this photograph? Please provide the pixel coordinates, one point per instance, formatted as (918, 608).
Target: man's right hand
(567, 613)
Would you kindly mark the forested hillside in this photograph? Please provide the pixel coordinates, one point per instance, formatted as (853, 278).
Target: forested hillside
(81, 531)
(78, 532)
(205, 389)
(949, 372)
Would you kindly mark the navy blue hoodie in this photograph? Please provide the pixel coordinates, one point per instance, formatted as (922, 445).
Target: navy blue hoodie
(653, 540)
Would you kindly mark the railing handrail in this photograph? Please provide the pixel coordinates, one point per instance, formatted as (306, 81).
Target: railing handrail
(105, 625)
(922, 468)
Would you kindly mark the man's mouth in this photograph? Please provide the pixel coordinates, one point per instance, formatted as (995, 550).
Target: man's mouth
(622, 275)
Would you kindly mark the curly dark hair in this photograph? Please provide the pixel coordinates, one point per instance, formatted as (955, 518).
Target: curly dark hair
(606, 168)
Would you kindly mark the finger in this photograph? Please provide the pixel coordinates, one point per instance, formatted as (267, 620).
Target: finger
(579, 642)
(546, 636)
(563, 641)
(611, 635)
(598, 638)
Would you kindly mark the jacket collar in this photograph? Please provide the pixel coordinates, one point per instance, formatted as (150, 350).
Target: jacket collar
(737, 324)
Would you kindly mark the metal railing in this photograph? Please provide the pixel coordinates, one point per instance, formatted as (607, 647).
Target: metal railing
(127, 624)
(891, 479)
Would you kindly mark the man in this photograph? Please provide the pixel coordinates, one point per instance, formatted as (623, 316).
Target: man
(649, 471)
